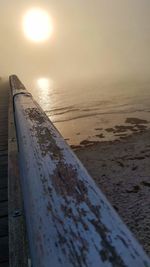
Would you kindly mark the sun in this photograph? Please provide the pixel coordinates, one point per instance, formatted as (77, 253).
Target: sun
(37, 25)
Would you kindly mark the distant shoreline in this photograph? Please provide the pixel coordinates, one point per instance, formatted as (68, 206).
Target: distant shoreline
(121, 169)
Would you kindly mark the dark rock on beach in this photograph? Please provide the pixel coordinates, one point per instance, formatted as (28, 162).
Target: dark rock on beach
(136, 121)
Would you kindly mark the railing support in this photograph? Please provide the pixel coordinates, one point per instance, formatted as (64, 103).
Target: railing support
(70, 223)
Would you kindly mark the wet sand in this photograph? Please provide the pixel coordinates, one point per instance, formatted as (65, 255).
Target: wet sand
(121, 168)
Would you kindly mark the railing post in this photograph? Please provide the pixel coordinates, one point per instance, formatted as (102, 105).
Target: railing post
(70, 223)
(18, 248)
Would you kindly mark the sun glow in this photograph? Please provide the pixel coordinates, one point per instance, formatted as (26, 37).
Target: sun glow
(37, 25)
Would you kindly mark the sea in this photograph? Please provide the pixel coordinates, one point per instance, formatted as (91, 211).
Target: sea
(92, 111)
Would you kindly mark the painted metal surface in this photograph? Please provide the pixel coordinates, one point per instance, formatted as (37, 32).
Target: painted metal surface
(70, 222)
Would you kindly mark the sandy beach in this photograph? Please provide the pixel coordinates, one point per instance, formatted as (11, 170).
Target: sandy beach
(121, 168)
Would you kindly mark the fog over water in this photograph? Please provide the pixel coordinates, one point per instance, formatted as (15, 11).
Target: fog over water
(96, 61)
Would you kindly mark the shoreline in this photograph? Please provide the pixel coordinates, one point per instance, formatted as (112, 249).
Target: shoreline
(109, 127)
(121, 169)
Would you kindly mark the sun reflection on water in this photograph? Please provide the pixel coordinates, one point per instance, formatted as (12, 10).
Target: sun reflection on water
(44, 83)
(44, 92)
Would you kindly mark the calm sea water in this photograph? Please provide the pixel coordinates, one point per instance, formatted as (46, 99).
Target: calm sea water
(84, 112)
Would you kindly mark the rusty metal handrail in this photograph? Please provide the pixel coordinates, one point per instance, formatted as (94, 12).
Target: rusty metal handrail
(70, 223)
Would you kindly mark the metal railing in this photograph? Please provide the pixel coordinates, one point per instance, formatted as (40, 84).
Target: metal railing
(69, 221)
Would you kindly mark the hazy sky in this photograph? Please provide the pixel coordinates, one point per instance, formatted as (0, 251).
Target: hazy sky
(91, 38)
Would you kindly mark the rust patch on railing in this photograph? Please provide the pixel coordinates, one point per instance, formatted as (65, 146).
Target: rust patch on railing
(44, 136)
(35, 115)
(66, 182)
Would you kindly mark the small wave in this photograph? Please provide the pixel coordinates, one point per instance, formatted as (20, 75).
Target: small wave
(68, 109)
(97, 114)
(59, 109)
(64, 112)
